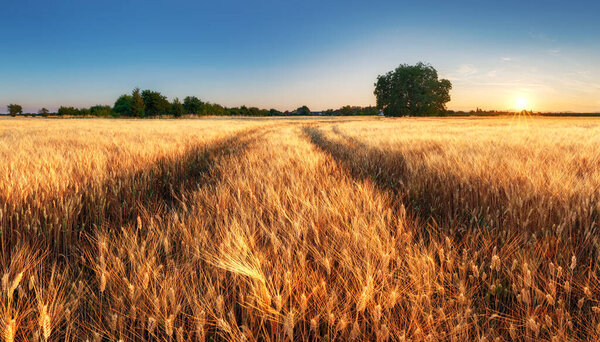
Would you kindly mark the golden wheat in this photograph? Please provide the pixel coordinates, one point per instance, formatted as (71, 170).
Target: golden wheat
(280, 229)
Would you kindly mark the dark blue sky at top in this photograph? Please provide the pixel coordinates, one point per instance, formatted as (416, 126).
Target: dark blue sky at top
(285, 53)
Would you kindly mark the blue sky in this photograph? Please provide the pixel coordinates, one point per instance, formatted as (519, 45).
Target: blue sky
(283, 54)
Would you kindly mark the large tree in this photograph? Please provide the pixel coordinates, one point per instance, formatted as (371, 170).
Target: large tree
(14, 109)
(130, 105)
(138, 107)
(193, 105)
(177, 108)
(155, 103)
(123, 105)
(412, 90)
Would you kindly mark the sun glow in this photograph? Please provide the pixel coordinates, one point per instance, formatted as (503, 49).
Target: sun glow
(521, 103)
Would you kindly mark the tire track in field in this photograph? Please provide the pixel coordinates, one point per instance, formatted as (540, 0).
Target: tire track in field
(430, 226)
(354, 157)
(365, 163)
(61, 222)
(290, 197)
(460, 212)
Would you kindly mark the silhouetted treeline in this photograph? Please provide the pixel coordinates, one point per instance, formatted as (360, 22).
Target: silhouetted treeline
(150, 103)
(493, 112)
(352, 110)
(72, 111)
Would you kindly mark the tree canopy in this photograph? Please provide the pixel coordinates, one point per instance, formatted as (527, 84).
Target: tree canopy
(352, 110)
(150, 103)
(43, 112)
(130, 105)
(412, 90)
(155, 103)
(177, 108)
(14, 109)
(99, 110)
(137, 104)
(193, 105)
(302, 111)
(124, 105)
(64, 110)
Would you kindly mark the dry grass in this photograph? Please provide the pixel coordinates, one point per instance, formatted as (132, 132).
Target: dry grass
(360, 229)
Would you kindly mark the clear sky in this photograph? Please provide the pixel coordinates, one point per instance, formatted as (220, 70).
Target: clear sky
(283, 54)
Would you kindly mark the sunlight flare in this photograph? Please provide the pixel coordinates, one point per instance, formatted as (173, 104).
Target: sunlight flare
(521, 103)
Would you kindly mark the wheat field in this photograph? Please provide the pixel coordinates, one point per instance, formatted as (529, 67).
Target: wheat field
(225, 229)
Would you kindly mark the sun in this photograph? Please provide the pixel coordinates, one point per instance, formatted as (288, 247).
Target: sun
(521, 103)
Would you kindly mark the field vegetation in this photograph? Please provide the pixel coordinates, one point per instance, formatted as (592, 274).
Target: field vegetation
(409, 229)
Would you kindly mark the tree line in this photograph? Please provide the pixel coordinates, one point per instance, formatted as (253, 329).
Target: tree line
(352, 110)
(407, 90)
(149, 103)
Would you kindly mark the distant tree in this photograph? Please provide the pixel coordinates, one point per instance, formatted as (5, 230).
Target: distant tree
(151, 103)
(254, 111)
(129, 105)
(43, 112)
(214, 109)
(177, 108)
(99, 110)
(124, 105)
(347, 110)
(155, 103)
(303, 111)
(14, 109)
(84, 111)
(275, 112)
(370, 110)
(412, 90)
(236, 111)
(138, 107)
(193, 105)
(63, 110)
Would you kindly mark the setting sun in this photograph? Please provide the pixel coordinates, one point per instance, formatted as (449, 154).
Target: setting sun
(521, 103)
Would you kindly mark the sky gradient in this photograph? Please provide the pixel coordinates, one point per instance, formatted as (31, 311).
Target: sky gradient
(283, 54)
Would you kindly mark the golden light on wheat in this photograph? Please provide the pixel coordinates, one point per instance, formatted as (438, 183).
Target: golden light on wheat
(354, 229)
